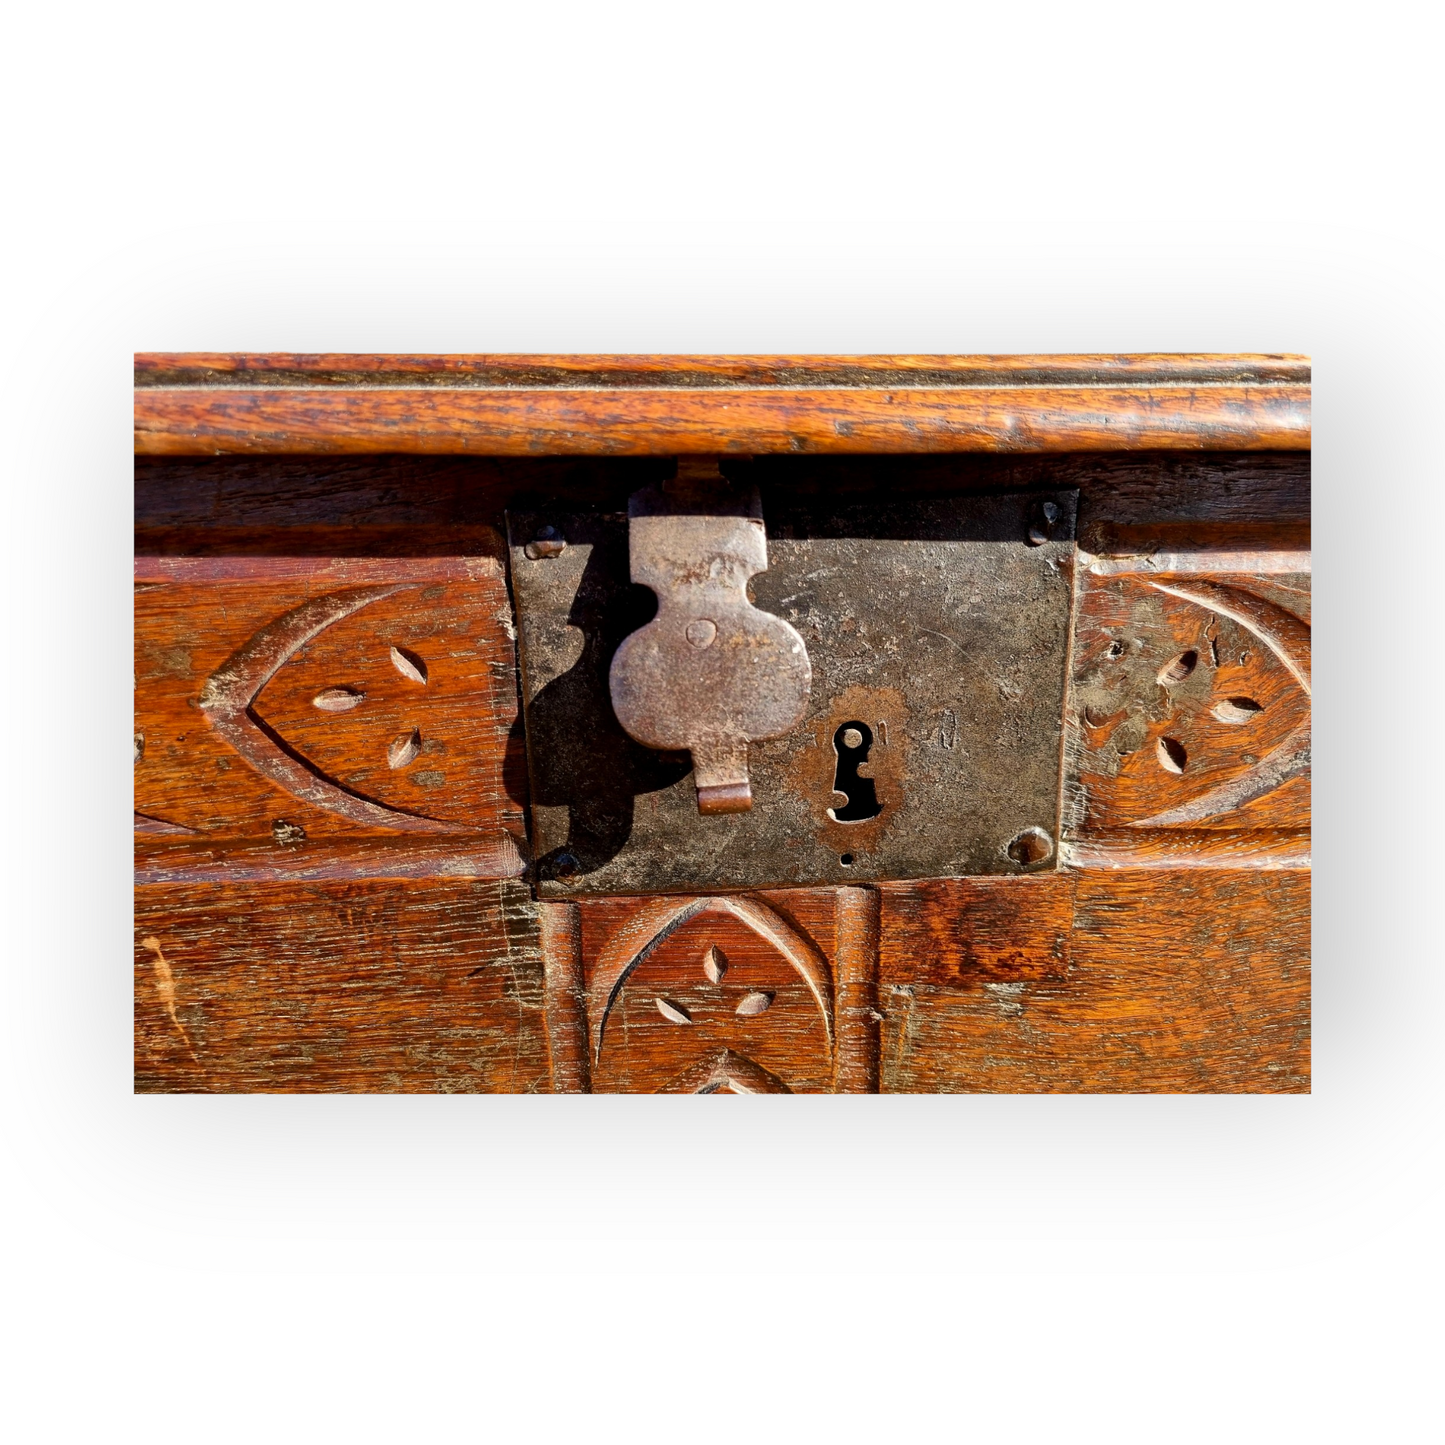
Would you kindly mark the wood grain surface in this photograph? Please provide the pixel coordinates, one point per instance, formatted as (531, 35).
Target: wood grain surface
(1270, 848)
(429, 986)
(639, 406)
(1131, 505)
(561, 935)
(1159, 981)
(1114, 982)
(688, 370)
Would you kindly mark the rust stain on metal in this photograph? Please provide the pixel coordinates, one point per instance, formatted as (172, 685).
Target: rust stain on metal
(884, 712)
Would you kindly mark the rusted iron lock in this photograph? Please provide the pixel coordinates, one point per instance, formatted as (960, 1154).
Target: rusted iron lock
(711, 672)
(916, 734)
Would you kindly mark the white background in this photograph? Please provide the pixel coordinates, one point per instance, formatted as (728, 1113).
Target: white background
(739, 178)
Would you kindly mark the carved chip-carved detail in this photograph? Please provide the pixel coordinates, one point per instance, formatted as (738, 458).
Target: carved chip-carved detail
(770, 994)
(657, 922)
(1191, 703)
(270, 689)
(1289, 639)
(733, 993)
(727, 1072)
(231, 691)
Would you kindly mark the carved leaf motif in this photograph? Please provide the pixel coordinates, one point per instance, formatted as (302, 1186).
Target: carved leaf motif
(408, 664)
(1171, 754)
(404, 749)
(672, 1012)
(714, 964)
(338, 699)
(231, 691)
(757, 1002)
(727, 1073)
(1236, 710)
(1177, 669)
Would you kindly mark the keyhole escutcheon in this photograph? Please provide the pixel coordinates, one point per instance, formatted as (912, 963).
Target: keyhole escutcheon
(852, 742)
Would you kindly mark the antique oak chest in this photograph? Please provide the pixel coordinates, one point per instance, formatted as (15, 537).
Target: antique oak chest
(722, 724)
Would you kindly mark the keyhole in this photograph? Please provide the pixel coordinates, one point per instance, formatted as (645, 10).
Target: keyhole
(852, 742)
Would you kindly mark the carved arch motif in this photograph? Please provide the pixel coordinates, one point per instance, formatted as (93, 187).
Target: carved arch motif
(1288, 637)
(230, 691)
(652, 924)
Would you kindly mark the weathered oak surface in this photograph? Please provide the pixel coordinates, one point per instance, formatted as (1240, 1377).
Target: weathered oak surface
(1156, 981)
(327, 856)
(420, 987)
(639, 406)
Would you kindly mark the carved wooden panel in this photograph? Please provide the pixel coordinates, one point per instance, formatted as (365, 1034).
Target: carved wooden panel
(426, 986)
(298, 701)
(761, 993)
(1190, 703)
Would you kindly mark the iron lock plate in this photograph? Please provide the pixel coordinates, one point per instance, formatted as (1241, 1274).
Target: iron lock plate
(938, 631)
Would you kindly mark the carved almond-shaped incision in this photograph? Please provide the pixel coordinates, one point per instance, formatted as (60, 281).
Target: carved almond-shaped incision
(1171, 754)
(404, 749)
(672, 1012)
(714, 964)
(1236, 710)
(1178, 668)
(408, 664)
(753, 1003)
(338, 699)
